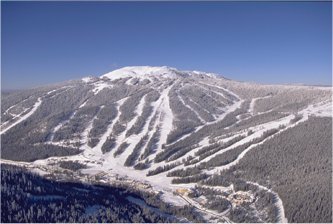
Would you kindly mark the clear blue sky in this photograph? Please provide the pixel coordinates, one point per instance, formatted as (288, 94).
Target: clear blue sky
(266, 42)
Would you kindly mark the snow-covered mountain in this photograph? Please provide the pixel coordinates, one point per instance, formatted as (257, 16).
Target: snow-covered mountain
(185, 134)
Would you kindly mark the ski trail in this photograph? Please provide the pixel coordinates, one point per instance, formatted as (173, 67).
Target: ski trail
(122, 137)
(14, 116)
(222, 88)
(190, 108)
(83, 104)
(156, 127)
(99, 86)
(24, 117)
(201, 144)
(85, 135)
(253, 101)
(108, 132)
(229, 109)
(96, 152)
(282, 217)
(204, 142)
(218, 93)
(138, 112)
(17, 115)
(55, 90)
(270, 125)
(11, 107)
(134, 139)
(189, 98)
(68, 88)
(240, 156)
(167, 115)
(61, 124)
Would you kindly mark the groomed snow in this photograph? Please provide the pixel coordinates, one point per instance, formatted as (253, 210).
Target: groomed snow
(322, 109)
(259, 130)
(140, 72)
(190, 108)
(226, 90)
(122, 137)
(24, 117)
(167, 115)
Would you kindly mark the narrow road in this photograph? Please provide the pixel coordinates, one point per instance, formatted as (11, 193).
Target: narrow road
(225, 219)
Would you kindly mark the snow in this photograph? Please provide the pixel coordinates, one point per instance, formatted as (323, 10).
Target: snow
(15, 116)
(60, 125)
(211, 75)
(278, 203)
(98, 162)
(113, 165)
(122, 137)
(190, 108)
(48, 93)
(99, 86)
(24, 117)
(225, 89)
(167, 123)
(140, 72)
(210, 90)
(199, 105)
(259, 130)
(83, 104)
(148, 72)
(134, 139)
(228, 109)
(201, 144)
(96, 152)
(129, 81)
(87, 79)
(39, 171)
(142, 203)
(55, 129)
(322, 109)
(169, 197)
(11, 107)
(209, 213)
(54, 90)
(253, 101)
(85, 134)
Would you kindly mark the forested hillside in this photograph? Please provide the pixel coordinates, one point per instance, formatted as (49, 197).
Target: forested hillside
(27, 197)
(298, 170)
(231, 151)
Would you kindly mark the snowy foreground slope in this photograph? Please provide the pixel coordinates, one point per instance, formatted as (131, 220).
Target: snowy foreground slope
(179, 134)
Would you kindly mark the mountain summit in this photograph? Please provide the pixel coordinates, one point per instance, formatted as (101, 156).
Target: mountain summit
(150, 71)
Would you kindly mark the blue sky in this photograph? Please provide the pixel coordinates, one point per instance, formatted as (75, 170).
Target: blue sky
(266, 42)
